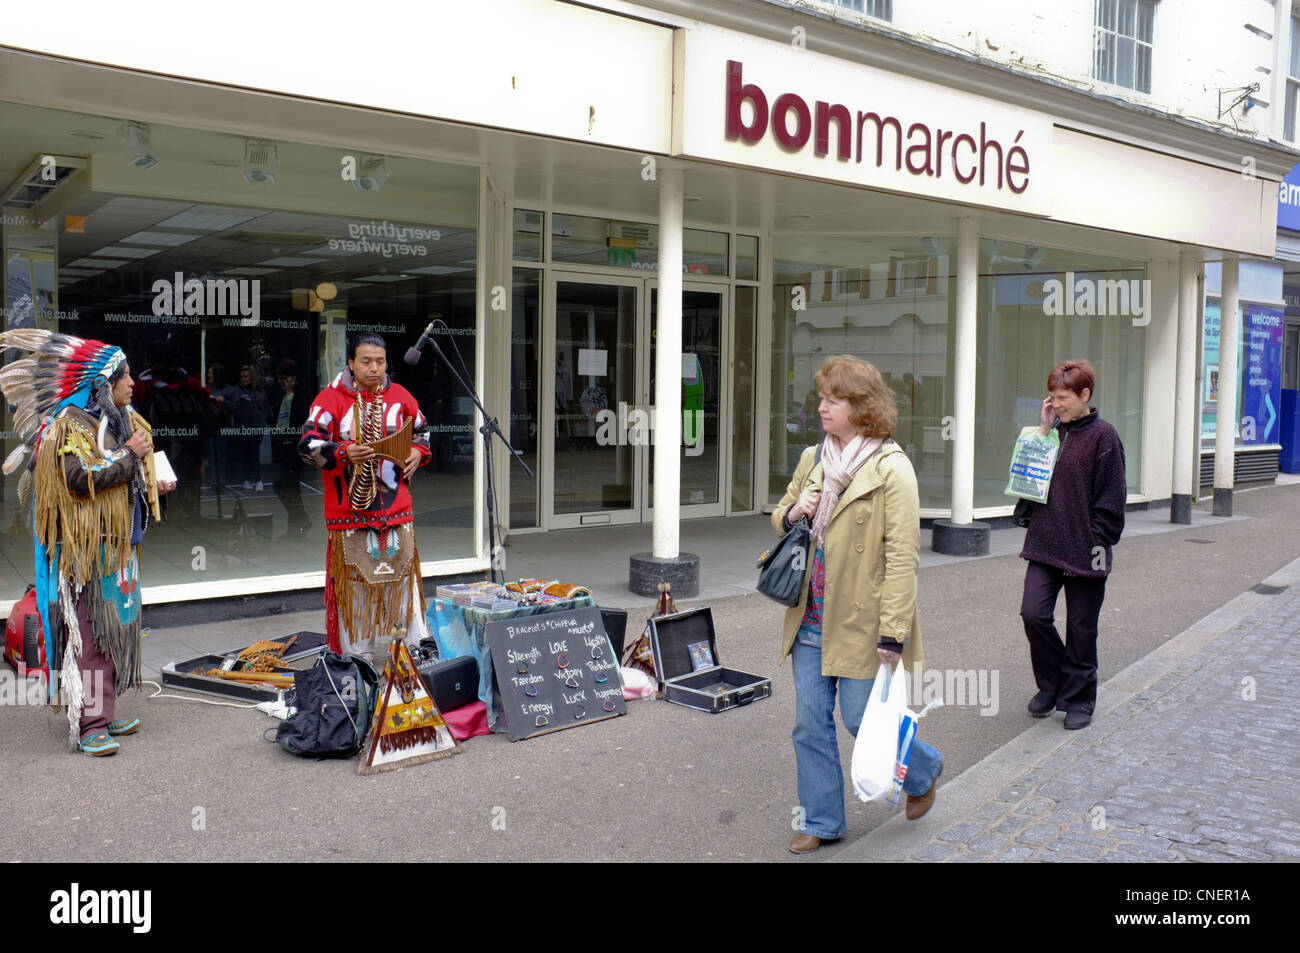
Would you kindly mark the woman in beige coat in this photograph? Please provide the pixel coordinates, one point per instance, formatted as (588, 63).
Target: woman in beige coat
(859, 607)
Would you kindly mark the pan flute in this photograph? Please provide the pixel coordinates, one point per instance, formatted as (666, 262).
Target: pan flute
(396, 446)
(150, 469)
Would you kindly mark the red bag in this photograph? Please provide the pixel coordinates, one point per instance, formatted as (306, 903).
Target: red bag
(24, 633)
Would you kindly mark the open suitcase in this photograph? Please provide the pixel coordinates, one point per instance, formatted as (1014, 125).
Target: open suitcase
(714, 688)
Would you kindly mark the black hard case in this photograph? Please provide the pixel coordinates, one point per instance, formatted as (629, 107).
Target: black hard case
(715, 689)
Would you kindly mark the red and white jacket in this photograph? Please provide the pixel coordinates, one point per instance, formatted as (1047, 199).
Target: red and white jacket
(329, 431)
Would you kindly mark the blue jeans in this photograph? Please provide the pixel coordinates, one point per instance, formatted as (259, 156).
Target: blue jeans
(817, 751)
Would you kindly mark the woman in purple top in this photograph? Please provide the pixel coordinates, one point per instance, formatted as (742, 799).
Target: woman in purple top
(1068, 546)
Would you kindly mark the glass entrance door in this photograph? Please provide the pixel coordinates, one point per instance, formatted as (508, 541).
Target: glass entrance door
(599, 339)
(703, 387)
(592, 339)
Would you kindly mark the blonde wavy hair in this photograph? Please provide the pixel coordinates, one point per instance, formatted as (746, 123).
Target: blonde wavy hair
(875, 414)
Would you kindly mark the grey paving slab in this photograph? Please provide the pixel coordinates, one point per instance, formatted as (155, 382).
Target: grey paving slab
(1187, 759)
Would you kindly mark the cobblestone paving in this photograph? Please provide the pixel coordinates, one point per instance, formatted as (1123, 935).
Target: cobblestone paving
(1201, 766)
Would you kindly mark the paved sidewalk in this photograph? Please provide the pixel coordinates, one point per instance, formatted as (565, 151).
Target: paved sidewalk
(1193, 756)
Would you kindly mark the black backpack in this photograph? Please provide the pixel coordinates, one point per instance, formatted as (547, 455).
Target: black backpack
(335, 700)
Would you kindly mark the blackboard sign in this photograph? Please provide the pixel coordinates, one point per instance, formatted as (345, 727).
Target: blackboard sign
(555, 670)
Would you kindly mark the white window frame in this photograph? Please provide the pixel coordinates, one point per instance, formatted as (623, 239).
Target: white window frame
(916, 283)
(1108, 37)
(1292, 82)
(876, 9)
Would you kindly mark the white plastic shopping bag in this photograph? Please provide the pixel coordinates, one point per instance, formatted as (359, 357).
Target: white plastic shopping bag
(875, 753)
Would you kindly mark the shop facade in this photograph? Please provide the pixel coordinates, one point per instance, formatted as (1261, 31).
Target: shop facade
(230, 223)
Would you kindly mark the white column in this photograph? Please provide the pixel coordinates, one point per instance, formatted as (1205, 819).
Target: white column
(1185, 406)
(1159, 378)
(1225, 439)
(963, 447)
(668, 369)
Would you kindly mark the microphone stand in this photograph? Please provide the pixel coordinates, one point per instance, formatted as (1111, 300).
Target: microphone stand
(489, 427)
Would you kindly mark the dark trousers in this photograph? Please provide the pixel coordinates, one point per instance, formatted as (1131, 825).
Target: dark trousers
(1068, 670)
(98, 674)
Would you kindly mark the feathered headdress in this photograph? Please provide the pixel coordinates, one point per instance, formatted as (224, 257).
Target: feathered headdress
(60, 371)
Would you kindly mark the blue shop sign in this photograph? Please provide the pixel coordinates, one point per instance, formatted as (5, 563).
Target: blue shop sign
(1288, 201)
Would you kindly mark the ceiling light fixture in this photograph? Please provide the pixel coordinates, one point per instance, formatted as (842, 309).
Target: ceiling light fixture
(372, 174)
(137, 145)
(261, 161)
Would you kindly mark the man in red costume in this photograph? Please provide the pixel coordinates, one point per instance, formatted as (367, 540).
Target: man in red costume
(372, 565)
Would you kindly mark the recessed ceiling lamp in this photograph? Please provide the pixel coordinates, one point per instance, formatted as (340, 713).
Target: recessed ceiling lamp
(137, 145)
(261, 161)
(372, 174)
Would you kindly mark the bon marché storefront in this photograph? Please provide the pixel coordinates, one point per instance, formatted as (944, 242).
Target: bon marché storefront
(230, 271)
(962, 244)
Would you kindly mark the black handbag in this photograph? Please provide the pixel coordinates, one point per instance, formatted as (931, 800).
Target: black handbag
(783, 567)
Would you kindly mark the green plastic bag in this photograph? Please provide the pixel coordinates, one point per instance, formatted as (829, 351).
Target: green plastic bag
(1032, 463)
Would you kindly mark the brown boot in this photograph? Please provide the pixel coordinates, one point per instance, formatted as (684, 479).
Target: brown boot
(919, 804)
(805, 843)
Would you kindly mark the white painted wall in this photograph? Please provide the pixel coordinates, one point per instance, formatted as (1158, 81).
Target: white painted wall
(1199, 46)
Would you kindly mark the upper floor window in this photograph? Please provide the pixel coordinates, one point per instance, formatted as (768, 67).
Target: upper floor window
(1122, 42)
(880, 9)
(1292, 80)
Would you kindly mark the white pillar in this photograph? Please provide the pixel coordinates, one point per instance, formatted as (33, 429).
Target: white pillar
(668, 369)
(1186, 439)
(963, 447)
(1225, 439)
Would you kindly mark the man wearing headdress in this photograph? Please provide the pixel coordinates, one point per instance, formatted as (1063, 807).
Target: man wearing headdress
(92, 482)
(372, 580)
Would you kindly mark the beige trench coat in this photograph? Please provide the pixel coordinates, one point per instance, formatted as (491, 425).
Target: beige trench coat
(872, 552)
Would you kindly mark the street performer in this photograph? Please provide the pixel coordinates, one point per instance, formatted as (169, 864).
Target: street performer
(367, 437)
(94, 484)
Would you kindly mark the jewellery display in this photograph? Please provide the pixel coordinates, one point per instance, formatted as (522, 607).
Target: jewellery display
(571, 681)
(579, 712)
(597, 652)
(602, 677)
(522, 669)
(609, 704)
(542, 721)
(531, 691)
(561, 661)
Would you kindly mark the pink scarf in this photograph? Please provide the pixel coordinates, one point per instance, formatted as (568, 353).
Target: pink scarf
(839, 466)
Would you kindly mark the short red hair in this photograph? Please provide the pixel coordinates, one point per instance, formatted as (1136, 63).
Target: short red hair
(1077, 376)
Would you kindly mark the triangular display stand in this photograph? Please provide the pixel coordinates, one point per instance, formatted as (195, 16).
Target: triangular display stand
(407, 727)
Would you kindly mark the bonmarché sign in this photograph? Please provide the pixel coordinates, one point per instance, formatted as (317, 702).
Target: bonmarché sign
(759, 103)
(793, 123)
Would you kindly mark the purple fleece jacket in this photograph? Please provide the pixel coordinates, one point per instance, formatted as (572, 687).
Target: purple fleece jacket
(1084, 514)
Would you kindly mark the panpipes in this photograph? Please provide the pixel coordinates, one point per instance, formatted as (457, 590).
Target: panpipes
(150, 468)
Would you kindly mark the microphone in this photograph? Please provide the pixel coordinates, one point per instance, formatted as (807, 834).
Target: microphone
(413, 353)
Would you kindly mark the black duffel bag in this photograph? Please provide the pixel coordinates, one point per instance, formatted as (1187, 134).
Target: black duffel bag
(334, 699)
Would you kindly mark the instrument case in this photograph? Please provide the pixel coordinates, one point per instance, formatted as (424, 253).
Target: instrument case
(714, 689)
(187, 674)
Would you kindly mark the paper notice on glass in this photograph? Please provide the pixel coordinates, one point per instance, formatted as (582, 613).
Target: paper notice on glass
(163, 468)
(593, 363)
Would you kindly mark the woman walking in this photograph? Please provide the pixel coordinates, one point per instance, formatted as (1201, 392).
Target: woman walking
(1068, 546)
(858, 610)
